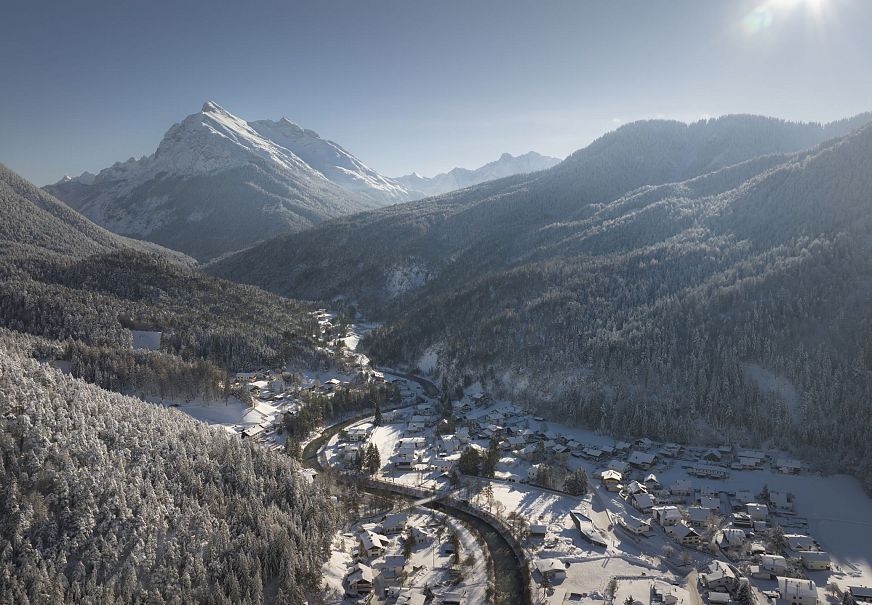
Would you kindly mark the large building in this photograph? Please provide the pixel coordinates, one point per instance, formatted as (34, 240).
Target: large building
(794, 591)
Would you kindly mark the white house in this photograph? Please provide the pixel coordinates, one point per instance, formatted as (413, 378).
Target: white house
(780, 501)
(395, 523)
(800, 542)
(815, 561)
(794, 591)
(636, 526)
(757, 512)
(773, 564)
(393, 565)
(373, 544)
(550, 569)
(666, 515)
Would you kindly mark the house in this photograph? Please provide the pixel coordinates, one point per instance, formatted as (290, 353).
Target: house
(449, 444)
(643, 501)
(861, 594)
(732, 538)
(372, 544)
(635, 487)
(712, 471)
(359, 579)
(561, 452)
(612, 480)
(815, 561)
(800, 542)
(420, 535)
(697, 516)
(780, 501)
(252, 432)
(788, 465)
(710, 502)
(617, 465)
(720, 577)
(794, 591)
(716, 597)
(636, 526)
(538, 530)
(773, 564)
(757, 512)
(670, 449)
(528, 452)
(666, 516)
(643, 460)
(682, 487)
(405, 596)
(592, 453)
(550, 569)
(393, 565)
(685, 534)
(515, 443)
(415, 427)
(454, 597)
(712, 456)
(357, 433)
(394, 524)
(651, 482)
(442, 464)
(462, 434)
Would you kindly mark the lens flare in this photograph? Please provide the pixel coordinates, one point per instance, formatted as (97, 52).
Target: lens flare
(767, 13)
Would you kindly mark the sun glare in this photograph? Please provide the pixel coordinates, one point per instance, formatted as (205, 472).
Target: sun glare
(767, 13)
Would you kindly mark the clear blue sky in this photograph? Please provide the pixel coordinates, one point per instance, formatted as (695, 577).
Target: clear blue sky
(414, 85)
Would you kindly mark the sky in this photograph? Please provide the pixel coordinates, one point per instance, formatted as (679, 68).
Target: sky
(411, 85)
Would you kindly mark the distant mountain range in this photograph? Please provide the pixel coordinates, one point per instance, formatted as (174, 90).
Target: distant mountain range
(459, 178)
(218, 183)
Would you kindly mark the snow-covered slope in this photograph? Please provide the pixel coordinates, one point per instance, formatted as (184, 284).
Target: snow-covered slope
(331, 160)
(458, 178)
(217, 183)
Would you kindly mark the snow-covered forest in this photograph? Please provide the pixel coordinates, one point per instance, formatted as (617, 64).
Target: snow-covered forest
(107, 499)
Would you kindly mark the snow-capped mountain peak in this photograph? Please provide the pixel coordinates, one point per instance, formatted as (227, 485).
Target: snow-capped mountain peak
(214, 169)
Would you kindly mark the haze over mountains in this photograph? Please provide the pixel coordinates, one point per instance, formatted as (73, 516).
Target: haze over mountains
(218, 183)
(459, 178)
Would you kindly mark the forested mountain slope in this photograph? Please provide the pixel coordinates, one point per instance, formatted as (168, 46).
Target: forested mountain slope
(217, 183)
(106, 499)
(374, 258)
(33, 220)
(646, 316)
(66, 279)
